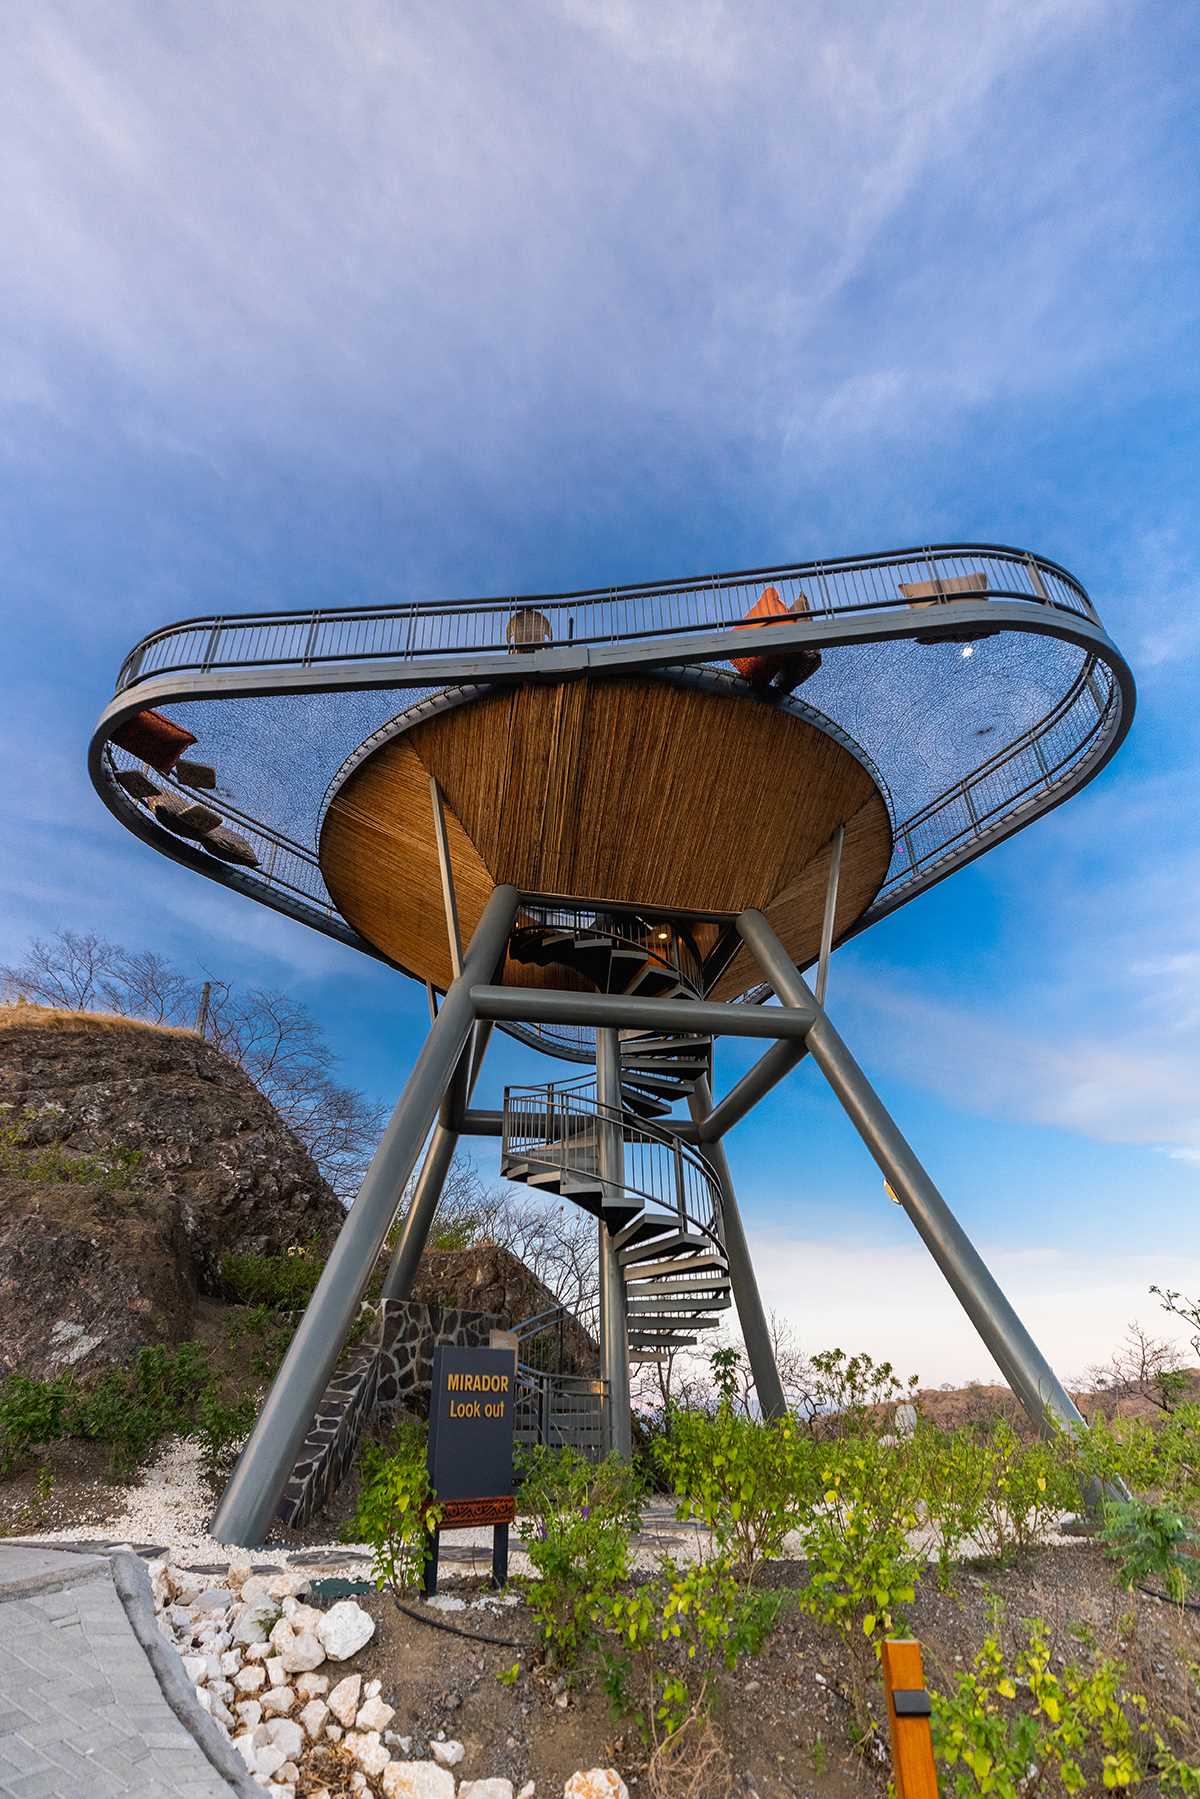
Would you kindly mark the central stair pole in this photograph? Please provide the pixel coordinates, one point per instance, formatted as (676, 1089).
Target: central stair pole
(614, 1326)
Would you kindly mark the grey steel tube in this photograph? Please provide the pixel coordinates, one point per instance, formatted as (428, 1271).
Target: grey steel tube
(247, 1506)
(614, 1324)
(755, 1329)
(1024, 1367)
(758, 1081)
(542, 1005)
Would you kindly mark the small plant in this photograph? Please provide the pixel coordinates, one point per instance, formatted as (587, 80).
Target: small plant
(667, 1641)
(1151, 1542)
(508, 1677)
(281, 1283)
(847, 1394)
(221, 1429)
(576, 1520)
(131, 1410)
(1028, 1487)
(267, 1333)
(861, 1568)
(33, 1413)
(1023, 1730)
(23, 1157)
(397, 1512)
(954, 1471)
(740, 1478)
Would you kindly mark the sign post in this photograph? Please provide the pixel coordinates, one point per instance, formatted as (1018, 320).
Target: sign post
(471, 1449)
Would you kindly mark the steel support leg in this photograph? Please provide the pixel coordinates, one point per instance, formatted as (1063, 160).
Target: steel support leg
(247, 1507)
(614, 1322)
(753, 1320)
(418, 1220)
(1017, 1355)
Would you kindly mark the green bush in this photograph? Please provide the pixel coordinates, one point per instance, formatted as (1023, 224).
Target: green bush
(744, 1481)
(132, 1409)
(221, 1429)
(670, 1636)
(849, 1394)
(1023, 1730)
(1151, 1542)
(266, 1333)
(576, 1518)
(33, 1413)
(397, 1509)
(1028, 1487)
(283, 1283)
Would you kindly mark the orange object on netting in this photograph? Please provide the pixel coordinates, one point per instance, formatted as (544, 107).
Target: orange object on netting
(768, 609)
(154, 738)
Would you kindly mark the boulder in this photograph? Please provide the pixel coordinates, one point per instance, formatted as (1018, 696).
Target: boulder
(199, 1164)
(343, 1630)
(417, 1780)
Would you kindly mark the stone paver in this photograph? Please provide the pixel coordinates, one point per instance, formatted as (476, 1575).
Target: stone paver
(81, 1711)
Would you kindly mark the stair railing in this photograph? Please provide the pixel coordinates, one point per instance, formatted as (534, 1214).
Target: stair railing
(558, 1127)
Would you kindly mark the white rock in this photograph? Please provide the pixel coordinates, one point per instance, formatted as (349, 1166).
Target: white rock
(231, 1661)
(220, 1711)
(244, 1744)
(449, 1753)
(276, 1672)
(358, 1781)
(213, 1599)
(313, 1686)
(374, 1714)
(417, 1780)
(204, 1699)
(257, 1652)
(277, 1700)
(304, 1617)
(596, 1783)
(527, 1791)
(343, 1701)
(485, 1789)
(289, 1774)
(344, 1628)
(276, 1790)
(160, 1587)
(268, 1760)
(239, 1574)
(302, 1653)
(224, 1689)
(287, 1735)
(334, 1733)
(252, 1623)
(250, 1713)
(179, 1617)
(314, 1716)
(276, 1587)
(372, 1687)
(251, 1679)
(196, 1669)
(367, 1750)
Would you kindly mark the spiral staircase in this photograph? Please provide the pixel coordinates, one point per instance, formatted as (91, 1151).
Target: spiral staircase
(665, 1215)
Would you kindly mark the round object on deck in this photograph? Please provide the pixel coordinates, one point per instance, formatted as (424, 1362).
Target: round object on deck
(653, 792)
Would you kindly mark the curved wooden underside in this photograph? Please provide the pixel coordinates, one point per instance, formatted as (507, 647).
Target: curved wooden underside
(640, 791)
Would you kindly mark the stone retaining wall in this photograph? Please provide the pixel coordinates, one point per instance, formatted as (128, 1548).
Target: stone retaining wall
(394, 1371)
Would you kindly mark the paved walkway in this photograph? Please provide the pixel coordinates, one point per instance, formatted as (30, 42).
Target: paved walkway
(82, 1715)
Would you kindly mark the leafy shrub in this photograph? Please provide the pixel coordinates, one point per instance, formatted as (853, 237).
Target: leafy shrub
(267, 1334)
(283, 1283)
(33, 1413)
(861, 1567)
(1160, 1461)
(221, 1429)
(1150, 1542)
(576, 1520)
(670, 1636)
(849, 1394)
(1024, 1730)
(1028, 1487)
(741, 1479)
(954, 1469)
(397, 1509)
(132, 1409)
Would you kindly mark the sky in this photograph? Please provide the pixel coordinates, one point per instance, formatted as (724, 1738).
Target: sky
(383, 302)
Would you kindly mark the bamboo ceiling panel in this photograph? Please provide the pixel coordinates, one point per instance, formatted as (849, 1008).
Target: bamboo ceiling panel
(642, 791)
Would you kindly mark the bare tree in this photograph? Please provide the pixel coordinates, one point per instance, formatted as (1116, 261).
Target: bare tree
(266, 1033)
(1143, 1366)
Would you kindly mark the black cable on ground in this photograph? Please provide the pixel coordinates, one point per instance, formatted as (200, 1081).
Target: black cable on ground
(1185, 1605)
(472, 1636)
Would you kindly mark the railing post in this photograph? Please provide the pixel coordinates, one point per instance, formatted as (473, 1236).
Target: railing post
(909, 1711)
(680, 1195)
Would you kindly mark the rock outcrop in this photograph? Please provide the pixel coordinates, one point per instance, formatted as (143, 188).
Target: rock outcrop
(488, 1278)
(135, 1157)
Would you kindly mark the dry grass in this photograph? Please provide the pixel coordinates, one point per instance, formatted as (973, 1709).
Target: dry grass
(25, 1016)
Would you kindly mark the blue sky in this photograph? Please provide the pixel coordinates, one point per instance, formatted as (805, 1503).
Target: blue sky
(309, 305)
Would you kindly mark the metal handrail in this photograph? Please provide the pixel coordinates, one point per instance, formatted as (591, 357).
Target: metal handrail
(559, 1125)
(309, 637)
(661, 942)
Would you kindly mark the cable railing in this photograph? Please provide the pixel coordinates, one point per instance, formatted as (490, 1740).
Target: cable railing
(516, 624)
(560, 1125)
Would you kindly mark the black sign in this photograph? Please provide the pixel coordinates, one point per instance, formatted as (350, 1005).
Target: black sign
(471, 1435)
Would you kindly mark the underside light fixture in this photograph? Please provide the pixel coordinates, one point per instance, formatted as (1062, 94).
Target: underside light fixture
(894, 1197)
(968, 650)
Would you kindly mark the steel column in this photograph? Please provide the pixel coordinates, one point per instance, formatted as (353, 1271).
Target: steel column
(614, 1325)
(1017, 1355)
(247, 1507)
(755, 1330)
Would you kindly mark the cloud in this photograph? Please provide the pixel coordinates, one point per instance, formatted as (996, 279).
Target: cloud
(891, 1300)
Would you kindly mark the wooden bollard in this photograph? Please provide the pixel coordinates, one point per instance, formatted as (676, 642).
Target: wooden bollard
(909, 1712)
